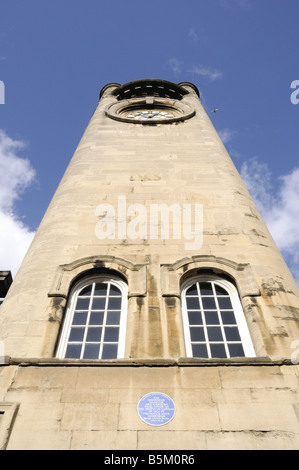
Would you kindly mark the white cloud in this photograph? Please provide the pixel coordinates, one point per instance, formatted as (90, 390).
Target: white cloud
(16, 174)
(175, 65)
(280, 211)
(193, 35)
(233, 3)
(283, 218)
(226, 135)
(257, 178)
(15, 241)
(206, 72)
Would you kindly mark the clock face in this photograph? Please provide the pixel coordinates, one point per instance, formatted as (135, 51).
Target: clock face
(148, 114)
(150, 110)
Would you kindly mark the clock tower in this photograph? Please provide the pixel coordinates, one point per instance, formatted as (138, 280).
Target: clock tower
(153, 309)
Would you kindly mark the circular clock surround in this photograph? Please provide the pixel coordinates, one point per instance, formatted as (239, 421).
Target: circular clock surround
(150, 111)
(150, 114)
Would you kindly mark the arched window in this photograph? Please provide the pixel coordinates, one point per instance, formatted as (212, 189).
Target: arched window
(95, 321)
(214, 322)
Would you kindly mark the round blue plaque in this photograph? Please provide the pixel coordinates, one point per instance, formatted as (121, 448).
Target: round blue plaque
(156, 408)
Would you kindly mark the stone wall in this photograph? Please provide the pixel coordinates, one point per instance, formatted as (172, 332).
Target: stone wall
(56, 404)
(249, 405)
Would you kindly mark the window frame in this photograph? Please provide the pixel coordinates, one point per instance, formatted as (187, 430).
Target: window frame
(236, 306)
(71, 306)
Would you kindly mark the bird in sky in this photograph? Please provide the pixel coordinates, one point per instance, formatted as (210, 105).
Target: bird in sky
(215, 110)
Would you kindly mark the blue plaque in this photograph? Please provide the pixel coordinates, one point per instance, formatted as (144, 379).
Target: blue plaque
(156, 408)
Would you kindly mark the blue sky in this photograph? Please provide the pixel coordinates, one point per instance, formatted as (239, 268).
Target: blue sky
(55, 56)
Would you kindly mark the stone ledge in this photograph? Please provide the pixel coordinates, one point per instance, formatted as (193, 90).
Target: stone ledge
(139, 362)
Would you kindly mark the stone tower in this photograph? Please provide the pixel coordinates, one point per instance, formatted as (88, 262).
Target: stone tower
(153, 309)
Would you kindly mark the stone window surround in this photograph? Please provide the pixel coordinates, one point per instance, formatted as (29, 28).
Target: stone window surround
(67, 274)
(239, 322)
(71, 305)
(172, 277)
(241, 275)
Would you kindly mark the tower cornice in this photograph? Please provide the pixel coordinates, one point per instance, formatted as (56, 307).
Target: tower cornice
(149, 87)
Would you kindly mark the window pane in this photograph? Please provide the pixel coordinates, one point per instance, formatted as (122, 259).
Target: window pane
(199, 350)
(228, 318)
(96, 318)
(82, 303)
(236, 350)
(100, 289)
(91, 351)
(111, 335)
(206, 288)
(77, 334)
(195, 318)
(73, 351)
(208, 303)
(86, 291)
(113, 318)
(94, 334)
(218, 350)
(98, 303)
(80, 318)
(197, 334)
(211, 320)
(220, 291)
(192, 290)
(224, 303)
(114, 291)
(214, 333)
(232, 333)
(109, 351)
(211, 317)
(114, 303)
(192, 303)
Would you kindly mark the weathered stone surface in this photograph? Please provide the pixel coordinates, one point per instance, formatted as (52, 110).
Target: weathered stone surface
(93, 407)
(237, 404)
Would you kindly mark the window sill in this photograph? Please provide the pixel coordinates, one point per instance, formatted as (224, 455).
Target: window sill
(139, 362)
